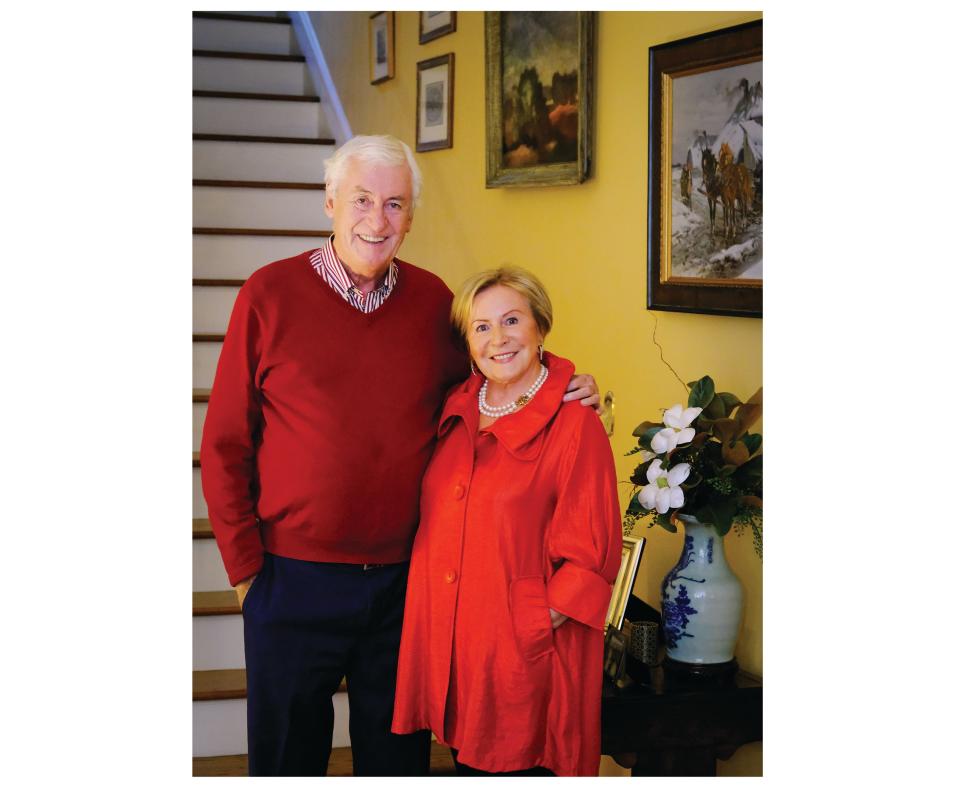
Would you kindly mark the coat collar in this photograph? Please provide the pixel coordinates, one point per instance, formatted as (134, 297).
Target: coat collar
(516, 430)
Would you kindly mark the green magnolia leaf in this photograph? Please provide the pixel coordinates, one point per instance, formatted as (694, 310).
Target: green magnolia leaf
(716, 408)
(699, 439)
(726, 470)
(752, 441)
(753, 468)
(736, 454)
(725, 429)
(701, 392)
(730, 400)
(634, 507)
(664, 521)
(647, 436)
(724, 511)
(644, 427)
(639, 477)
(692, 481)
(751, 500)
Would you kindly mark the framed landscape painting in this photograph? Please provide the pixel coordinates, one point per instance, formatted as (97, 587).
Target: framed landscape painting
(539, 68)
(705, 209)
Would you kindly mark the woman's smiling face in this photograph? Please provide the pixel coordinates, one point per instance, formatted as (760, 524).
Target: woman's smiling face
(504, 337)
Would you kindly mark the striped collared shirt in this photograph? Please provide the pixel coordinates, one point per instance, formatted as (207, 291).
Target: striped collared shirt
(325, 262)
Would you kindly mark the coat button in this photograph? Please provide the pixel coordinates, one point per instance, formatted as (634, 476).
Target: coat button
(450, 577)
(458, 491)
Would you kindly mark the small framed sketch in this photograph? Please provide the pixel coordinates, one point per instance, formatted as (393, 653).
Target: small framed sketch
(623, 588)
(381, 47)
(434, 24)
(435, 103)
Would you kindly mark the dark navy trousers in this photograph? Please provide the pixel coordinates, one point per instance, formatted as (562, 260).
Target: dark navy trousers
(305, 626)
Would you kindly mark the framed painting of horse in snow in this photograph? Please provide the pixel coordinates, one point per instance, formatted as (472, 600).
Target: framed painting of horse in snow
(705, 196)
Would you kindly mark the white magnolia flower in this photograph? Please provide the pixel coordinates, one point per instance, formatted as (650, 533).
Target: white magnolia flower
(664, 492)
(677, 429)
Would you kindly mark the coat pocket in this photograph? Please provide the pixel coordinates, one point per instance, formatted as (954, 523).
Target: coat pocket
(530, 616)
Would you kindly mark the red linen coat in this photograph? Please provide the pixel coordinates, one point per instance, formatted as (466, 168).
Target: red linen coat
(514, 520)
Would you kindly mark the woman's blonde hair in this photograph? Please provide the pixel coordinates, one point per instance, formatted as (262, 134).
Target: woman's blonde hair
(510, 276)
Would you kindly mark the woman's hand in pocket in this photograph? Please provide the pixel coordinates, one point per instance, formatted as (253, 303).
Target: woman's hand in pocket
(557, 619)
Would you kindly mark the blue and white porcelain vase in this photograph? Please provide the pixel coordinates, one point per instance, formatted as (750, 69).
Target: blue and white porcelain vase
(702, 599)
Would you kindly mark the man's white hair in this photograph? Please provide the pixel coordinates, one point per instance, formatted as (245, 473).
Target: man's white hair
(372, 149)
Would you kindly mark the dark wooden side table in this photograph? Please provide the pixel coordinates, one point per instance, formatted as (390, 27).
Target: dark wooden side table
(663, 724)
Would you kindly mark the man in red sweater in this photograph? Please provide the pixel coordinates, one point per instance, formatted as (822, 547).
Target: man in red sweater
(321, 421)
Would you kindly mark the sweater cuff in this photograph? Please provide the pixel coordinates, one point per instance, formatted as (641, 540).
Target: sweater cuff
(245, 570)
(580, 594)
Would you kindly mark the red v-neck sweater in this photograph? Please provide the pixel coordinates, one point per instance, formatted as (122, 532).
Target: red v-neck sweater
(322, 419)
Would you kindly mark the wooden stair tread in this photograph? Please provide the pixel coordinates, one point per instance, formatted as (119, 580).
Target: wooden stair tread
(270, 232)
(219, 684)
(258, 184)
(259, 138)
(202, 528)
(207, 337)
(276, 20)
(226, 684)
(341, 763)
(218, 283)
(215, 602)
(201, 394)
(254, 96)
(248, 55)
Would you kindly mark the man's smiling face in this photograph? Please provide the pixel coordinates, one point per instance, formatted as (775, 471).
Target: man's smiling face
(372, 212)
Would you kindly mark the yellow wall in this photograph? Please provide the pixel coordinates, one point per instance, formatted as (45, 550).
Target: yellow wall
(586, 242)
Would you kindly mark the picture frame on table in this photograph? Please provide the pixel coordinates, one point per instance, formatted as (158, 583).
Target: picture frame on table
(705, 174)
(382, 55)
(435, 103)
(434, 24)
(630, 555)
(540, 78)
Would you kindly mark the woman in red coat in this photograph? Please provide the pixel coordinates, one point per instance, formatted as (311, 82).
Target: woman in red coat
(518, 547)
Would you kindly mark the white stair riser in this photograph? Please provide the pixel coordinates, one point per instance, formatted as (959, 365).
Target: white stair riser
(205, 355)
(218, 642)
(291, 209)
(199, 413)
(236, 257)
(220, 726)
(250, 76)
(199, 504)
(228, 36)
(208, 571)
(259, 161)
(212, 307)
(259, 118)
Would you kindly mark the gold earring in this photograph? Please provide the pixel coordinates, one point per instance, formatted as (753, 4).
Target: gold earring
(541, 353)
(472, 370)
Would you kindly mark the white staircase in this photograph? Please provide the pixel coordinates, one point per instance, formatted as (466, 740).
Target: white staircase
(260, 137)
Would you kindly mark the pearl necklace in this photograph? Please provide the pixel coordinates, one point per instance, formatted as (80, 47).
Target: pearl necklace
(511, 407)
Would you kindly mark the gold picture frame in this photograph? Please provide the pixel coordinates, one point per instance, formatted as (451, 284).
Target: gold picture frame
(630, 555)
(539, 125)
(381, 32)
